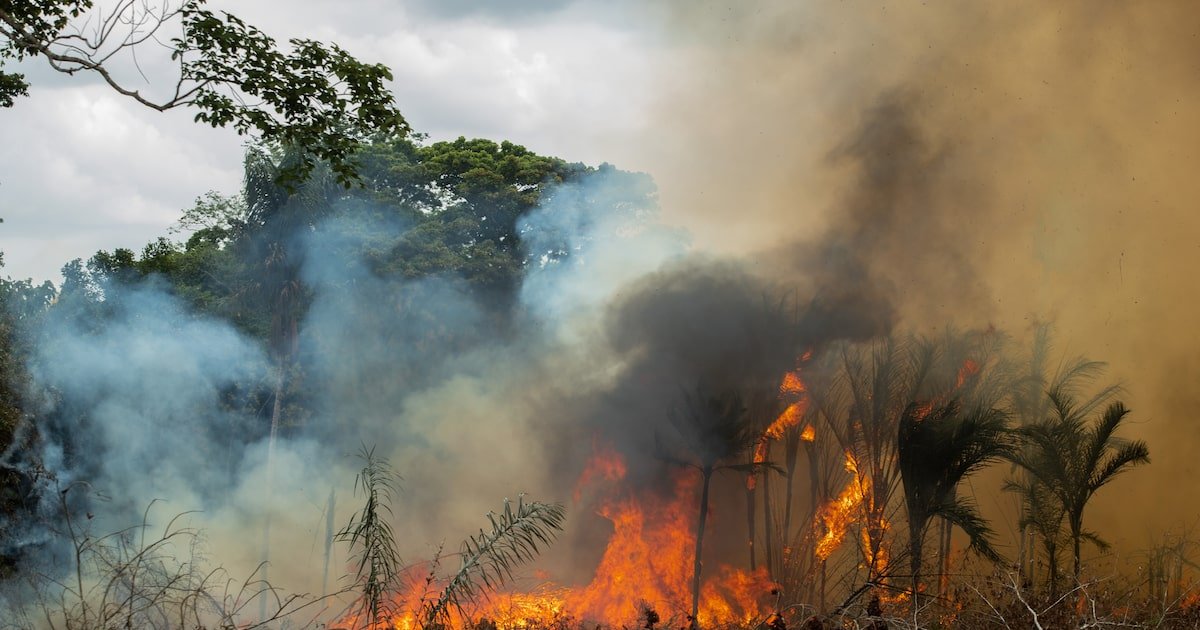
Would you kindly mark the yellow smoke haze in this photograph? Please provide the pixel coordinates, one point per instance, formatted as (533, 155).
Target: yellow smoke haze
(1018, 160)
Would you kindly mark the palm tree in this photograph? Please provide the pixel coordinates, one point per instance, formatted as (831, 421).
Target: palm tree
(714, 430)
(858, 396)
(882, 380)
(1041, 515)
(1073, 458)
(936, 449)
(279, 213)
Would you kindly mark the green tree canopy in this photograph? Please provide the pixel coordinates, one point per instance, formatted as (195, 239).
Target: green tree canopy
(306, 94)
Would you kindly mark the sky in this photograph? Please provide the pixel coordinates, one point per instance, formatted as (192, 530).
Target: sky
(83, 168)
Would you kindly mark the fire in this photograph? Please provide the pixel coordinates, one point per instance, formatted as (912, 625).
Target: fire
(790, 417)
(648, 563)
(809, 434)
(649, 560)
(605, 465)
(792, 384)
(790, 387)
(854, 506)
(969, 368)
(528, 610)
(837, 516)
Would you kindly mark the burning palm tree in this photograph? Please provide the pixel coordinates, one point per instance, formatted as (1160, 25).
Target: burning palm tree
(714, 431)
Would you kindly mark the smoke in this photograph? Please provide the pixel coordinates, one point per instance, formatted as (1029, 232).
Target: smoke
(976, 164)
(461, 389)
(145, 395)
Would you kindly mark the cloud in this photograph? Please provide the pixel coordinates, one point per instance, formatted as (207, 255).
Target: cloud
(89, 170)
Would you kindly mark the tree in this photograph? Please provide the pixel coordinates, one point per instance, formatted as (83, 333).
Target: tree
(714, 431)
(22, 306)
(881, 379)
(1073, 458)
(1042, 514)
(311, 95)
(936, 449)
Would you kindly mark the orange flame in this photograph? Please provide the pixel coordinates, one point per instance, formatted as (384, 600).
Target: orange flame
(792, 384)
(854, 506)
(837, 516)
(969, 368)
(605, 465)
(648, 561)
(790, 417)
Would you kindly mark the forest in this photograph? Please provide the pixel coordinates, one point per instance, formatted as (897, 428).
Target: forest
(396, 381)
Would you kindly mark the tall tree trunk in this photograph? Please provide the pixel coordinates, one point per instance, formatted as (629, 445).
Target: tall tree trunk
(944, 540)
(915, 543)
(1052, 558)
(1076, 534)
(1031, 559)
(276, 414)
(706, 473)
(1177, 580)
(329, 535)
(791, 455)
(1022, 550)
(824, 572)
(751, 486)
(768, 518)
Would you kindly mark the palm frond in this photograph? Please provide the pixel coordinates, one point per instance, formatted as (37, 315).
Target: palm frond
(489, 558)
(370, 535)
(1095, 539)
(1100, 435)
(712, 426)
(1131, 454)
(964, 514)
(753, 468)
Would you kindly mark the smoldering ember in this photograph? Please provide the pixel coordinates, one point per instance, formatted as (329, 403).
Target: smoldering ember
(607, 315)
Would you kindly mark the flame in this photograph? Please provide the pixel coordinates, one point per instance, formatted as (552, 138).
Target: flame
(790, 417)
(648, 562)
(792, 385)
(969, 368)
(854, 507)
(836, 516)
(537, 609)
(606, 465)
(809, 434)
(649, 559)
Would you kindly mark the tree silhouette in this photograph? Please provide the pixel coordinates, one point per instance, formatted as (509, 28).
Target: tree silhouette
(713, 431)
(1073, 458)
(936, 449)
